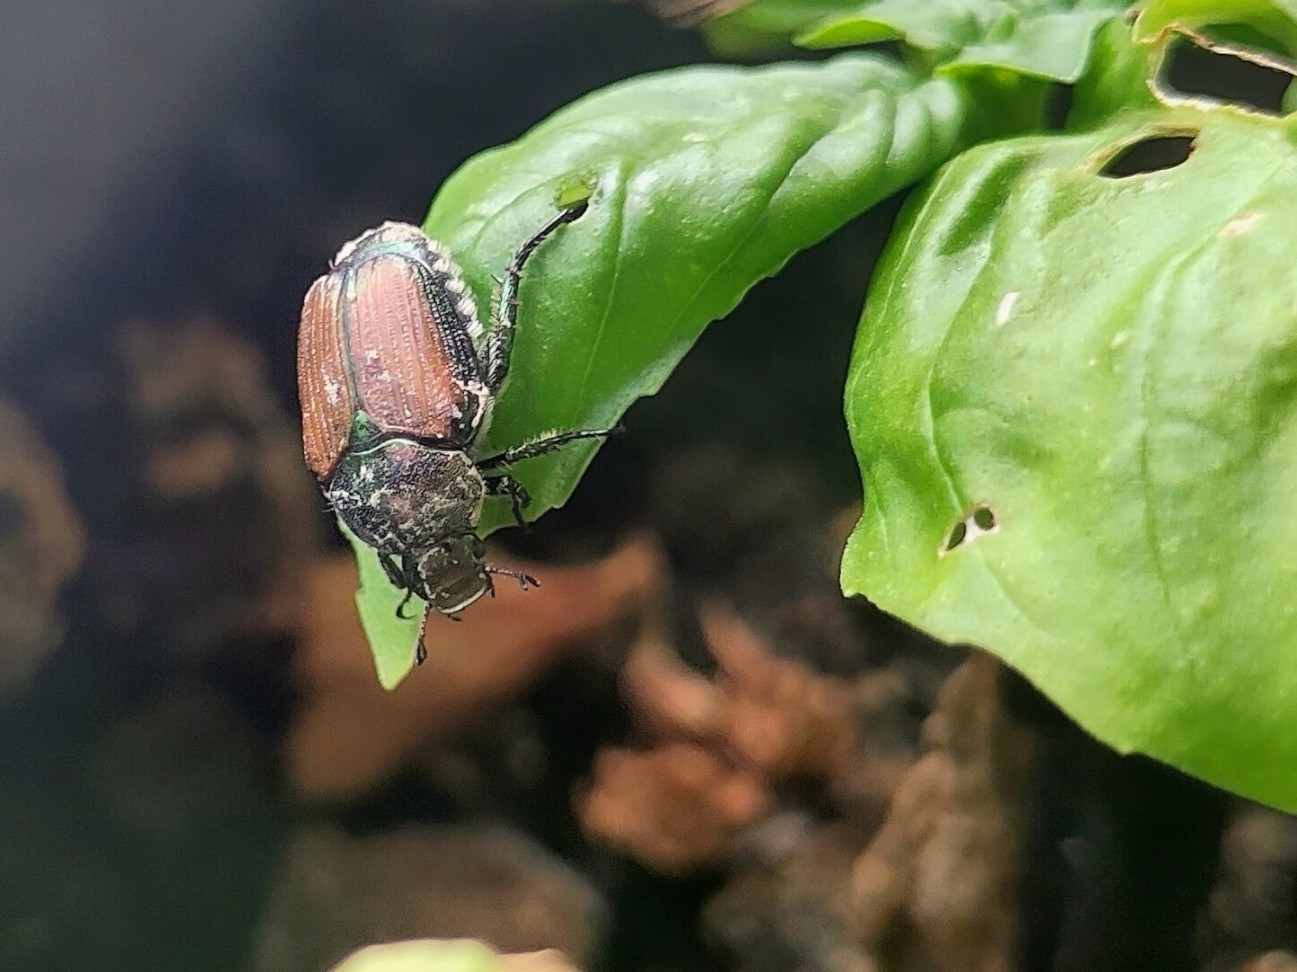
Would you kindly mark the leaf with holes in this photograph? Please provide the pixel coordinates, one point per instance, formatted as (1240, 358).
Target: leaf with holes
(1047, 39)
(1074, 401)
(1274, 20)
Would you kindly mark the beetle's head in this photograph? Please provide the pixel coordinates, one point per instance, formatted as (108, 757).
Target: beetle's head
(454, 573)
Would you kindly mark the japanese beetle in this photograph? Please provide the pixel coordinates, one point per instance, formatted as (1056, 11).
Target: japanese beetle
(397, 379)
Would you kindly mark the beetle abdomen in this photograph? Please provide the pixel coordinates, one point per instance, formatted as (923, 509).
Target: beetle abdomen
(393, 325)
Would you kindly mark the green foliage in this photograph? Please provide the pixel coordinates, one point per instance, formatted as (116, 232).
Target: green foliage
(1110, 367)
(767, 26)
(1074, 390)
(704, 181)
(1048, 39)
(1275, 20)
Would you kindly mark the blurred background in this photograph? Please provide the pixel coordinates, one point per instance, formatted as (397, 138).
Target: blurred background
(685, 751)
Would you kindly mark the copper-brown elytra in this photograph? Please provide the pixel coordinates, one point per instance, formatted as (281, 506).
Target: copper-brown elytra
(397, 380)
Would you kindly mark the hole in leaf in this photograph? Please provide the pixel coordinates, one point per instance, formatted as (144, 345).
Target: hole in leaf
(1151, 154)
(979, 521)
(957, 535)
(1200, 67)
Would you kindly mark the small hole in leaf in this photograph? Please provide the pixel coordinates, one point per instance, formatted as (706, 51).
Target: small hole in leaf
(1204, 68)
(1151, 154)
(957, 535)
(979, 521)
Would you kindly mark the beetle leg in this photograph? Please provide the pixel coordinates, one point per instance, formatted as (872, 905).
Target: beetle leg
(400, 608)
(392, 571)
(405, 577)
(524, 580)
(538, 447)
(506, 485)
(499, 343)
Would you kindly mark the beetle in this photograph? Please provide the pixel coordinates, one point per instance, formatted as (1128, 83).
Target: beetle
(397, 379)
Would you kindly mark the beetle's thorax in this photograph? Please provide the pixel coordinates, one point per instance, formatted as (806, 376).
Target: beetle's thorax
(402, 496)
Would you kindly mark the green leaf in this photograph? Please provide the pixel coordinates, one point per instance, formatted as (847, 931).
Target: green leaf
(1117, 80)
(1276, 19)
(1109, 367)
(701, 182)
(392, 639)
(704, 181)
(424, 955)
(1046, 39)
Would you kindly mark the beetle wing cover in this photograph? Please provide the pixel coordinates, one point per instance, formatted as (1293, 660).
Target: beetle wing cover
(411, 357)
(389, 330)
(322, 379)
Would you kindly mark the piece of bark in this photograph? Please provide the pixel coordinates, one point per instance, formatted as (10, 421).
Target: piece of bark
(782, 720)
(675, 808)
(41, 547)
(720, 750)
(770, 715)
(936, 884)
(350, 735)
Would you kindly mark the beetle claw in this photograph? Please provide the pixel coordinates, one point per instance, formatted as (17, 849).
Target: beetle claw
(400, 608)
